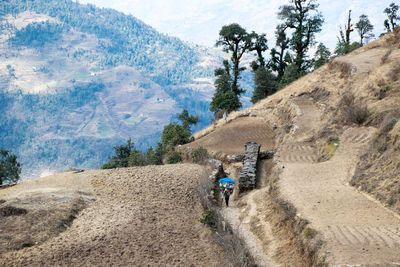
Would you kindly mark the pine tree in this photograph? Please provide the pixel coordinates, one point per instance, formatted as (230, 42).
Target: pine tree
(265, 84)
(259, 45)
(187, 120)
(234, 39)
(303, 17)
(10, 168)
(391, 12)
(364, 28)
(280, 58)
(224, 97)
(321, 56)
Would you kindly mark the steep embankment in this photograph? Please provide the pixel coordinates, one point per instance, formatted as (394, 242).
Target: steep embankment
(140, 216)
(335, 126)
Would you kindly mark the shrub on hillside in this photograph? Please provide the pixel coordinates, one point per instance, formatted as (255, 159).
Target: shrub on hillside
(389, 125)
(10, 168)
(128, 156)
(174, 158)
(178, 134)
(385, 57)
(210, 218)
(357, 113)
(338, 66)
(174, 134)
(199, 155)
(354, 112)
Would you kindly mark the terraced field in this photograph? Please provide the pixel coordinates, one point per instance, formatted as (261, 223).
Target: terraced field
(140, 217)
(231, 138)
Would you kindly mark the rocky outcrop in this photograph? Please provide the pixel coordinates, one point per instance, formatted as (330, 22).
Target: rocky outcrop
(247, 179)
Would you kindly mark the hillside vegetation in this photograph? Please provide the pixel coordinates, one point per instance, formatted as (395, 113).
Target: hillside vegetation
(76, 80)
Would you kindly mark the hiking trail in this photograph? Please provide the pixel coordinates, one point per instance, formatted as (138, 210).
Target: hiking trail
(356, 229)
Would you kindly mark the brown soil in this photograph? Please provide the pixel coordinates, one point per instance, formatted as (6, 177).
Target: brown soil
(356, 230)
(141, 216)
(231, 138)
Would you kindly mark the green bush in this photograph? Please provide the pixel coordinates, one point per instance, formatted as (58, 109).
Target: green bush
(210, 218)
(309, 233)
(174, 134)
(174, 158)
(199, 154)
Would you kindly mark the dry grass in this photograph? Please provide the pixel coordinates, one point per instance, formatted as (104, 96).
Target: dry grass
(358, 113)
(353, 111)
(343, 68)
(235, 249)
(394, 74)
(302, 243)
(385, 57)
(377, 170)
(394, 38)
(206, 193)
(77, 205)
(320, 95)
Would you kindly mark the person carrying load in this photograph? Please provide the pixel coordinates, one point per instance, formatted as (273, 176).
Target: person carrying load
(226, 186)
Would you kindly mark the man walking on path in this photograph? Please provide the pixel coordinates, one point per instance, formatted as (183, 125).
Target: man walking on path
(226, 186)
(227, 194)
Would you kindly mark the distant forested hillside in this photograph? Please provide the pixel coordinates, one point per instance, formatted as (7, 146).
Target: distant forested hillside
(76, 80)
(124, 40)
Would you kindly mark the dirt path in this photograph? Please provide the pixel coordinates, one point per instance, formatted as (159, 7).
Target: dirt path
(247, 216)
(246, 224)
(141, 217)
(356, 229)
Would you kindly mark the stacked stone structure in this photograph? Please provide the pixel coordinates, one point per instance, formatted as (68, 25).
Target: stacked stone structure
(247, 179)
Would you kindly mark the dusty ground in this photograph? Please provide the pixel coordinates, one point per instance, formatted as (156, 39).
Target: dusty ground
(356, 229)
(231, 138)
(141, 216)
(37, 210)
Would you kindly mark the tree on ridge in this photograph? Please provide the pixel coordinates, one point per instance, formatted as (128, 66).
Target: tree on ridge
(364, 28)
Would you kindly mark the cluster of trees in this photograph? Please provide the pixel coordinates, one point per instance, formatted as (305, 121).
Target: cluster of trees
(364, 28)
(10, 168)
(288, 61)
(174, 134)
(301, 20)
(37, 34)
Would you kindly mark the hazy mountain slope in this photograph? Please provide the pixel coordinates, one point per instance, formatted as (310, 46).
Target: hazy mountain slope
(76, 80)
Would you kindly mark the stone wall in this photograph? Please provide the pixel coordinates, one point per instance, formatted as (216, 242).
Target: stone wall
(247, 179)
